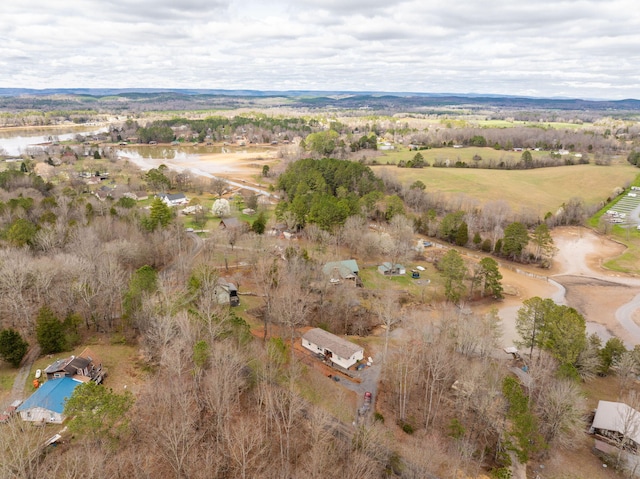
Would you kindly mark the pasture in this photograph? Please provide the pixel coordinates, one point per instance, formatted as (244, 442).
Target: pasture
(457, 154)
(543, 189)
(547, 125)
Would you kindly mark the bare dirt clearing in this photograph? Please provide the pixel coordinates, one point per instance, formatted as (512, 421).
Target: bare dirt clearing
(608, 300)
(241, 164)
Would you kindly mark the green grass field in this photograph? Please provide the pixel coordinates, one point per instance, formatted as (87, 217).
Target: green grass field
(543, 189)
(419, 289)
(545, 125)
(7, 376)
(457, 154)
(629, 261)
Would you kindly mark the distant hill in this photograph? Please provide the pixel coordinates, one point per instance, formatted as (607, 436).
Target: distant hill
(159, 98)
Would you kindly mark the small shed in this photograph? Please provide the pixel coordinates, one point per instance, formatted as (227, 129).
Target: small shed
(388, 269)
(47, 403)
(227, 293)
(334, 348)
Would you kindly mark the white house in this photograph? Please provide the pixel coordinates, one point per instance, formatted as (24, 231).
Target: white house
(47, 403)
(176, 199)
(334, 348)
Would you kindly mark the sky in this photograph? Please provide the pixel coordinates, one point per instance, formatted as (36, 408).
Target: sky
(545, 48)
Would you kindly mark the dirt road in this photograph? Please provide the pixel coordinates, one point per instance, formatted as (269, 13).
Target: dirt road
(17, 391)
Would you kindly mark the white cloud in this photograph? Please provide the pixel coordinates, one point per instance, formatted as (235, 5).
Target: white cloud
(581, 48)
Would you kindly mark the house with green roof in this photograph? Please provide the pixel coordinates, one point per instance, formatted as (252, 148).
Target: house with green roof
(342, 270)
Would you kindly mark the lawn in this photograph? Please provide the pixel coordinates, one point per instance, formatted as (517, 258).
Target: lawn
(422, 289)
(543, 189)
(7, 376)
(629, 261)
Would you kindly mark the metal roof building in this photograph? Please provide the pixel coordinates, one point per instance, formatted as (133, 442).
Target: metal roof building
(47, 403)
(618, 417)
(347, 269)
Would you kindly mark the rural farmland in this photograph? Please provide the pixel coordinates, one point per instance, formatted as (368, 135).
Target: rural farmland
(543, 190)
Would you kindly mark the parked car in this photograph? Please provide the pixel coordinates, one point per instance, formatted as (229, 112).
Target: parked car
(38, 373)
(367, 400)
(364, 409)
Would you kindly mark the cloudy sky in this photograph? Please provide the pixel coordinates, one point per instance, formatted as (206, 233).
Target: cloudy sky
(551, 48)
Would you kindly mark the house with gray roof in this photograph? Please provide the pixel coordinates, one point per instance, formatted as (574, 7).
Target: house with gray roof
(388, 269)
(334, 348)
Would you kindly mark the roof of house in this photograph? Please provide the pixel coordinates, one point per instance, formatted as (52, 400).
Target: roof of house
(78, 363)
(335, 344)
(51, 395)
(386, 266)
(173, 196)
(84, 359)
(226, 285)
(231, 222)
(617, 416)
(344, 268)
(58, 365)
(91, 356)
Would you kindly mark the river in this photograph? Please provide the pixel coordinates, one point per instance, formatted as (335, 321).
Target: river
(15, 142)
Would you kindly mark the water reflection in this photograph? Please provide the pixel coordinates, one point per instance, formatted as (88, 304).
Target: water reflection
(16, 141)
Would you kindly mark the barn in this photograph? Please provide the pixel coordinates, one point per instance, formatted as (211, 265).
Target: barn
(334, 348)
(47, 403)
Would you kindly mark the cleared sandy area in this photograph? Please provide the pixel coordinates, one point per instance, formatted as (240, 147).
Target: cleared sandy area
(237, 164)
(608, 301)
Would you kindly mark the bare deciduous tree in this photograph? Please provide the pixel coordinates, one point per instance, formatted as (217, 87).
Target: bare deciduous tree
(438, 367)
(560, 407)
(246, 446)
(21, 446)
(388, 310)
